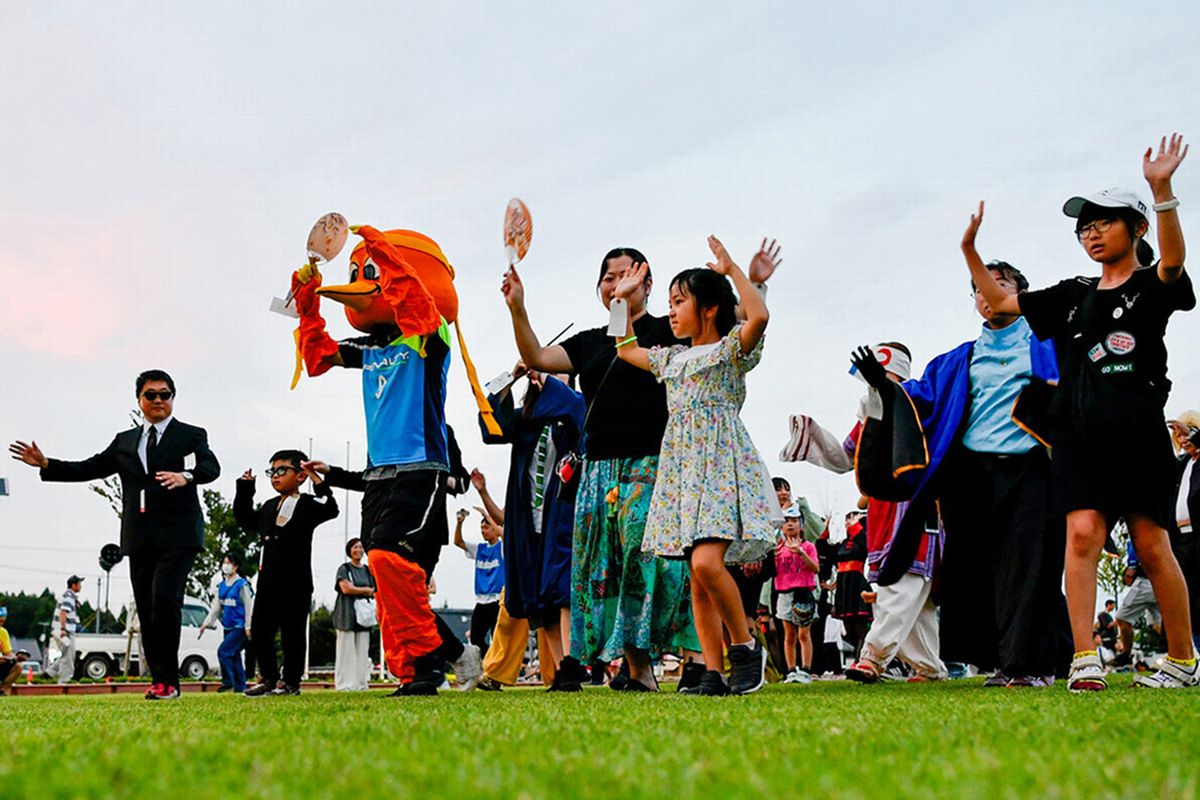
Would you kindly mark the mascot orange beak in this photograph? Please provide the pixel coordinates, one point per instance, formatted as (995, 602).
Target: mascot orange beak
(357, 295)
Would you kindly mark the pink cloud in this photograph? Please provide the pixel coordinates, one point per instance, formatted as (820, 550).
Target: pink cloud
(59, 297)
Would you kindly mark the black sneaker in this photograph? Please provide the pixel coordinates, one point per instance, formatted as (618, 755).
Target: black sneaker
(417, 688)
(712, 684)
(619, 680)
(599, 670)
(689, 681)
(283, 690)
(573, 671)
(259, 690)
(746, 668)
(564, 683)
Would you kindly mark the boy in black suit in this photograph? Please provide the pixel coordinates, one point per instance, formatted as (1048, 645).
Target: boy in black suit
(285, 583)
(162, 528)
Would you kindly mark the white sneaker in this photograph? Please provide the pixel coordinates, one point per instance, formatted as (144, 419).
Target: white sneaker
(468, 669)
(1087, 675)
(1169, 675)
(793, 676)
(803, 676)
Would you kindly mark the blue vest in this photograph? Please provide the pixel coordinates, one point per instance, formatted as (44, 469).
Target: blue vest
(489, 568)
(233, 611)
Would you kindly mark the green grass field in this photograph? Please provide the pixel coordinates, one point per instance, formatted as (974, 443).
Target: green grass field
(824, 740)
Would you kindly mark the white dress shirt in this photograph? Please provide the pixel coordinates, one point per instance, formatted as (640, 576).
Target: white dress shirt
(161, 427)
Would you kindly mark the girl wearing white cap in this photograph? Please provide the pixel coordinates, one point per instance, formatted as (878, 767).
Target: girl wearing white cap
(1112, 455)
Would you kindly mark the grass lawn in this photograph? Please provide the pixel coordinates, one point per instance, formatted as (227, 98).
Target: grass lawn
(824, 740)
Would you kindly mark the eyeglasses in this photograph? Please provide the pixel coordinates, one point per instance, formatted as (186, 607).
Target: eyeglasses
(1097, 225)
(152, 395)
(279, 472)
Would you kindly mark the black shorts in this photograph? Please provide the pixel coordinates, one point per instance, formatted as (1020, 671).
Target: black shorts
(749, 587)
(1116, 475)
(407, 515)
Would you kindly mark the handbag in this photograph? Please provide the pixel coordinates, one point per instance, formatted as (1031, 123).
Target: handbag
(364, 612)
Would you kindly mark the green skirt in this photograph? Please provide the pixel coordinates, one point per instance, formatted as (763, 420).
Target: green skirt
(620, 596)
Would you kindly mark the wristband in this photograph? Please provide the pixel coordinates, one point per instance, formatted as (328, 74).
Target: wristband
(1168, 205)
(762, 289)
(630, 340)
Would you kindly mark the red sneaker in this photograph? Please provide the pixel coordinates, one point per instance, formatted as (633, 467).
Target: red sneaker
(165, 692)
(152, 692)
(863, 671)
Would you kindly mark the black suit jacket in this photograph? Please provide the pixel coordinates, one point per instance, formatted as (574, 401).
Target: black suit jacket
(172, 519)
(1193, 496)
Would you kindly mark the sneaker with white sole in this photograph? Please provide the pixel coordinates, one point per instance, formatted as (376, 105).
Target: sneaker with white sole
(793, 676)
(468, 669)
(1169, 675)
(1031, 682)
(747, 668)
(863, 671)
(996, 679)
(1086, 675)
(803, 676)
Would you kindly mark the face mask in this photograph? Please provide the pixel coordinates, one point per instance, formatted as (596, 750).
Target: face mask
(227, 569)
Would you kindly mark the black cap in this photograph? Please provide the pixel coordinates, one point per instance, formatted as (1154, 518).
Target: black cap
(74, 579)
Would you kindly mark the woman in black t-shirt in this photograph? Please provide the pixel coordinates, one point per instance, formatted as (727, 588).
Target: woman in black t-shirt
(1111, 454)
(623, 602)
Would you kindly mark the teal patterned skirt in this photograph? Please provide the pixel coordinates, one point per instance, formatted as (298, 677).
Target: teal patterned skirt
(620, 596)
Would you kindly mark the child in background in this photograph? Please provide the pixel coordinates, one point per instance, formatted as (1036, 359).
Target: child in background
(713, 501)
(796, 571)
(233, 604)
(488, 556)
(285, 584)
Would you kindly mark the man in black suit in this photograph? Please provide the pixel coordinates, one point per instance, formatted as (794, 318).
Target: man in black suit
(162, 528)
(1184, 541)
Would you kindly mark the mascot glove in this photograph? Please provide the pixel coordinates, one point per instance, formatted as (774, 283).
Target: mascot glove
(316, 346)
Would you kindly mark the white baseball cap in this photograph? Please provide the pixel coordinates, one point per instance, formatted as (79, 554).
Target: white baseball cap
(1115, 197)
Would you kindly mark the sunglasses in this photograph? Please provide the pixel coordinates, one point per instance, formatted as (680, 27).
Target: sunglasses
(279, 472)
(152, 395)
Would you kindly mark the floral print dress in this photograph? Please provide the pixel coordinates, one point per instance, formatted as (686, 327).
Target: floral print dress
(712, 482)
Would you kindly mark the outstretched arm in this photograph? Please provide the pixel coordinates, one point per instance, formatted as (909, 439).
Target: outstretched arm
(753, 304)
(480, 483)
(997, 299)
(317, 347)
(1158, 172)
(546, 359)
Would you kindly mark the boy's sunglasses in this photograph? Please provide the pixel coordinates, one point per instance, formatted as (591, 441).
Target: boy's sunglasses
(279, 472)
(152, 395)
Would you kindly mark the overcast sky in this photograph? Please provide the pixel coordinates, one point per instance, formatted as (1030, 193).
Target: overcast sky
(162, 164)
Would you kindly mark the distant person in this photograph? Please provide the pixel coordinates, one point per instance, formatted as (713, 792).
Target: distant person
(233, 605)
(67, 619)
(488, 556)
(10, 661)
(1106, 625)
(1139, 601)
(796, 569)
(286, 524)
(162, 528)
(1184, 542)
(354, 582)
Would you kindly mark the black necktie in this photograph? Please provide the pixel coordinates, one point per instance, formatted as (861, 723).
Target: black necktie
(151, 441)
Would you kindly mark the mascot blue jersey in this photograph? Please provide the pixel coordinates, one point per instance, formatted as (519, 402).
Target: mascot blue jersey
(404, 397)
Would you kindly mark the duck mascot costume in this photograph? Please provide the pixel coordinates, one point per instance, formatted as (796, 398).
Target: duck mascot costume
(401, 296)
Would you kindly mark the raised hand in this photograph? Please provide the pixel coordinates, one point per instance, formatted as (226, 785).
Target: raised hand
(311, 467)
(968, 240)
(512, 289)
(869, 367)
(30, 454)
(765, 262)
(478, 481)
(1158, 171)
(634, 277)
(519, 370)
(461, 514)
(248, 475)
(724, 264)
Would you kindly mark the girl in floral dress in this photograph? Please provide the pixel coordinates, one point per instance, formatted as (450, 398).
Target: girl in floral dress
(713, 502)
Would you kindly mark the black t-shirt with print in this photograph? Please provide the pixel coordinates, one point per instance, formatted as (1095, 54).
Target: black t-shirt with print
(628, 409)
(1110, 345)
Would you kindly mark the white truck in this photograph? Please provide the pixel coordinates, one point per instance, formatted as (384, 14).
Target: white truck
(98, 655)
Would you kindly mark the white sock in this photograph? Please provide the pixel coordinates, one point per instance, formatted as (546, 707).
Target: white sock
(748, 643)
